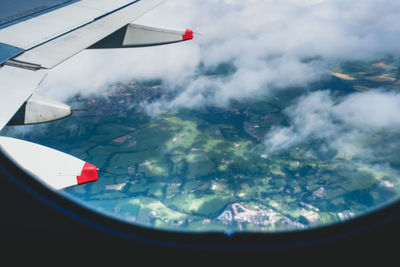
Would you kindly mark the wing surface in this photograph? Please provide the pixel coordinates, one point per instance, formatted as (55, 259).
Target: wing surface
(17, 85)
(37, 30)
(12, 11)
(30, 47)
(38, 38)
(51, 53)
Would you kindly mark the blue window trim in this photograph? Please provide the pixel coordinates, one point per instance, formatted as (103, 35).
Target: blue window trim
(8, 51)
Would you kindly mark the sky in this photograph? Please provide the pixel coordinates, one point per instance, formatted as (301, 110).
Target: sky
(272, 45)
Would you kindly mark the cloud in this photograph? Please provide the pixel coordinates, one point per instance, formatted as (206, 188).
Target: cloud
(340, 124)
(374, 109)
(269, 43)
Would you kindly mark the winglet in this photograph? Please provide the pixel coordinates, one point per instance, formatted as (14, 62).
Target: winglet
(188, 35)
(89, 174)
(56, 169)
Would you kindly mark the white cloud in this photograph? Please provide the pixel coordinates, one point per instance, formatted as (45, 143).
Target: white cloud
(338, 123)
(373, 109)
(266, 41)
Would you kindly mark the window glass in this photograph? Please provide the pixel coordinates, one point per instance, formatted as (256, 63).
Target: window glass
(280, 116)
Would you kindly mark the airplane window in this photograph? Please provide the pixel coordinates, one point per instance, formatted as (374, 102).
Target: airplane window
(280, 124)
(288, 161)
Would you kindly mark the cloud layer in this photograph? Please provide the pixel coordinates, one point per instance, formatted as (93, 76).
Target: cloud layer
(269, 43)
(341, 124)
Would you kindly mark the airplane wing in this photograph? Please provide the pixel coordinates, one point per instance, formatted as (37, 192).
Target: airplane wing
(44, 34)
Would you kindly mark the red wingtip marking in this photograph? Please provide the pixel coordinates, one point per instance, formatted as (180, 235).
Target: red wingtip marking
(188, 35)
(89, 174)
